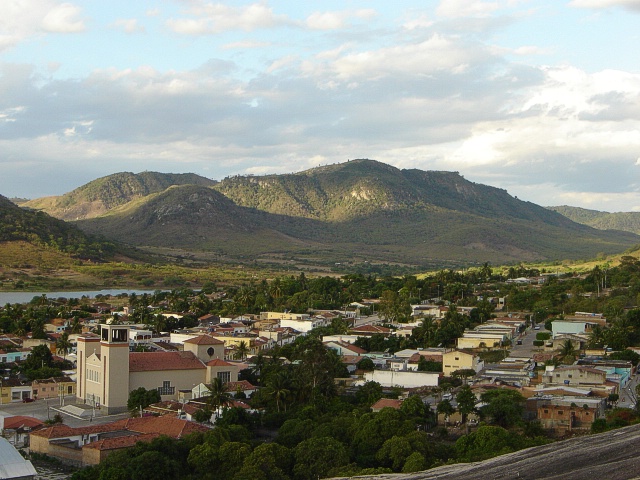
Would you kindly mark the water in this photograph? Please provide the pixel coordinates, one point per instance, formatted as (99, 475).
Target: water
(25, 297)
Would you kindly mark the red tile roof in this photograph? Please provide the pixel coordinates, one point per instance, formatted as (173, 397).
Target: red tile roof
(156, 361)
(219, 363)
(21, 421)
(165, 425)
(241, 385)
(387, 402)
(121, 442)
(204, 340)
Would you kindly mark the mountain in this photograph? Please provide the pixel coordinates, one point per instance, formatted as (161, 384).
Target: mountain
(42, 230)
(624, 221)
(101, 195)
(362, 210)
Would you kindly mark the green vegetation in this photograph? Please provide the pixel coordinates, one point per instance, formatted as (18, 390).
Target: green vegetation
(343, 217)
(623, 221)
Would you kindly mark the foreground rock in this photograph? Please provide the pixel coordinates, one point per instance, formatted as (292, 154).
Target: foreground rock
(612, 455)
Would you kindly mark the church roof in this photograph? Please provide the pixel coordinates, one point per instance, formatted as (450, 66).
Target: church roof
(156, 361)
(219, 363)
(204, 340)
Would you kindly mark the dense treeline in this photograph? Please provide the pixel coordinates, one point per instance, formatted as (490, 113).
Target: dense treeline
(309, 427)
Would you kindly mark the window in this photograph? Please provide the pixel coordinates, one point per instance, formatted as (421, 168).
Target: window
(546, 410)
(570, 376)
(224, 376)
(166, 388)
(557, 375)
(560, 412)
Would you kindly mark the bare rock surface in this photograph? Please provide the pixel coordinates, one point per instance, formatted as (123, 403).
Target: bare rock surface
(613, 455)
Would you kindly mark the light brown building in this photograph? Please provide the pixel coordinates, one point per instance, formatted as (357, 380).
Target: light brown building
(108, 371)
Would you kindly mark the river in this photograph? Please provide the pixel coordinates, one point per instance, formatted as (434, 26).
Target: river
(25, 297)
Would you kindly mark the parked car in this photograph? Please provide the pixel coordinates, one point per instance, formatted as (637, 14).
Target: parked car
(27, 400)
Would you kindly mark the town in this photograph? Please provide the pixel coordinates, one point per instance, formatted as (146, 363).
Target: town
(307, 377)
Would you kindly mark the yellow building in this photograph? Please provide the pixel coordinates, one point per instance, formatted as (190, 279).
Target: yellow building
(460, 360)
(108, 371)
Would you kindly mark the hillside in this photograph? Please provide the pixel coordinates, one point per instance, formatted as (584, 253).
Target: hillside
(611, 455)
(623, 221)
(101, 195)
(357, 211)
(40, 229)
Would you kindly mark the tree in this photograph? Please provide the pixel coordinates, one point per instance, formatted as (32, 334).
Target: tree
(568, 352)
(218, 395)
(316, 456)
(365, 364)
(392, 307)
(278, 388)
(63, 345)
(504, 407)
(415, 463)
(445, 408)
(242, 350)
(369, 393)
(467, 401)
(141, 398)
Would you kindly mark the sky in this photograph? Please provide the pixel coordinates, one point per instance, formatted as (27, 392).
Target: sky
(538, 97)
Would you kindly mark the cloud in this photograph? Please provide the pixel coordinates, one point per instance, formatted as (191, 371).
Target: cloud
(22, 19)
(207, 18)
(466, 8)
(128, 25)
(337, 19)
(633, 5)
(63, 18)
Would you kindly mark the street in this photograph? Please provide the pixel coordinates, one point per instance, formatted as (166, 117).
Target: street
(46, 409)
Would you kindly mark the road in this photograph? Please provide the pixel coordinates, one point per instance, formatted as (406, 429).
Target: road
(46, 409)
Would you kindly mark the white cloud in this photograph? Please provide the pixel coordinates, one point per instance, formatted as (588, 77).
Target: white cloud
(597, 4)
(208, 18)
(466, 8)
(437, 54)
(23, 19)
(63, 18)
(337, 19)
(128, 25)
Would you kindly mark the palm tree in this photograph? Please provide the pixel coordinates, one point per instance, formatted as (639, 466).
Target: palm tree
(242, 350)
(63, 345)
(218, 394)
(568, 352)
(277, 386)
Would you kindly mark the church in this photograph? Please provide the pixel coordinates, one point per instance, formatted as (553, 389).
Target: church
(108, 371)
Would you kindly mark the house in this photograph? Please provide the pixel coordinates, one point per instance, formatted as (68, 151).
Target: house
(370, 330)
(14, 390)
(460, 360)
(53, 387)
(91, 444)
(17, 428)
(574, 326)
(472, 339)
(406, 379)
(344, 348)
(567, 414)
(386, 403)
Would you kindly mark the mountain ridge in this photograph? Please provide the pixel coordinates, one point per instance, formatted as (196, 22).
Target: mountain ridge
(623, 221)
(361, 210)
(103, 194)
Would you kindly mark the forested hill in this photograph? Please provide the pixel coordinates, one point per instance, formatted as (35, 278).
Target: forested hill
(101, 195)
(358, 211)
(624, 221)
(38, 228)
(364, 187)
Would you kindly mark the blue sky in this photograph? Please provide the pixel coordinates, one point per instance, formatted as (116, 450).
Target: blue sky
(541, 98)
